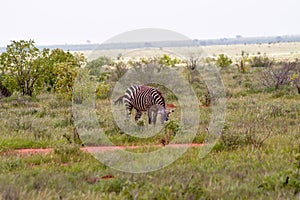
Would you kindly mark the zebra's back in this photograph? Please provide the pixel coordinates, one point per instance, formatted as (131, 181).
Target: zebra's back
(142, 97)
(145, 98)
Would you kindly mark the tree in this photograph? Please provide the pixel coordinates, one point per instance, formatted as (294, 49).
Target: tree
(57, 58)
(277, 76)
(94, 66)
(65, 73)
(22, 67)
(223, 61)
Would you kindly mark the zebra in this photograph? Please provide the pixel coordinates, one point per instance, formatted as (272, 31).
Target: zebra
(145, 98)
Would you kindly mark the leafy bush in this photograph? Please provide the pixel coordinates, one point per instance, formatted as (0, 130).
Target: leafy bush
(168, 61)
(260, 61)
(57, 60)
(66, 73)
(223, 61)
(103, 91)
(94, 66)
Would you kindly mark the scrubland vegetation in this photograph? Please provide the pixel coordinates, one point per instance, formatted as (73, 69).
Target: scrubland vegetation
(256, 157)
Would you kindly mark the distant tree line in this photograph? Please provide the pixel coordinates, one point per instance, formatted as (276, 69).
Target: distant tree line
(28, 70)
(161, 44)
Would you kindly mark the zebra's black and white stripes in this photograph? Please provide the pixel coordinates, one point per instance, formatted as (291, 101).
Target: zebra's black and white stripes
(146, 98)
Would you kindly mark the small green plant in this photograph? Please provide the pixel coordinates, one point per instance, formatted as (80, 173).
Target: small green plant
(223, 61)
(168, 61)
(243, 63)
(172, 127)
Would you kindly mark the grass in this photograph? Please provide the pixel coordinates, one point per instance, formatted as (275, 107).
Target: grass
(226, 174)
(236, 168)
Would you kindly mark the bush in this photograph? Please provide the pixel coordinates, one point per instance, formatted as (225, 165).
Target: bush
(260, 61)
(223, 61)
(277, 76)
(245, 134)
(103, 91)
(243, 63)
(168, 61)
(172, 127)
(95, 66)
(65, 74)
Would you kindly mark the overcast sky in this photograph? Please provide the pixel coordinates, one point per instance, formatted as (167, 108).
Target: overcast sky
(76, 22)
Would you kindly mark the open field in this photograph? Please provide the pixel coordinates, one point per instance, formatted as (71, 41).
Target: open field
(271, 50)
(256, 157)
(290, 50)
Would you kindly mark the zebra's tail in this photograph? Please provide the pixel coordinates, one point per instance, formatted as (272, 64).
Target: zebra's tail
(119, 100)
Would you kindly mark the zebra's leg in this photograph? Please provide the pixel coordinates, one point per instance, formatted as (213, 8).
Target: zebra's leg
(149, 116)
(155, 117)
(129, 108)
(138, 115)
(152, 114)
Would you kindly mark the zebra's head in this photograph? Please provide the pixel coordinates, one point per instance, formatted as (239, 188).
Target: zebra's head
(165, 115)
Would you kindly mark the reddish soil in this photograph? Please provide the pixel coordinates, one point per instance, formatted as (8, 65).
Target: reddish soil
(96, 148)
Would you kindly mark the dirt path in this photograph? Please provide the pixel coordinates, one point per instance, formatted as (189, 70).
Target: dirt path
(95, 148)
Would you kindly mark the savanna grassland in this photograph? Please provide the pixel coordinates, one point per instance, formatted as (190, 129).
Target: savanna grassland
(256, 157)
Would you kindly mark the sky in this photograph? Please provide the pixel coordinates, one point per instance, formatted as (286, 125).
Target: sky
(79, 22)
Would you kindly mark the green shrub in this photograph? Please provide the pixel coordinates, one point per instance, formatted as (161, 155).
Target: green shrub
(260, 61)
(166, 60)
(103, 91)
(242, 63)
(95, 66)
(223, 61)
